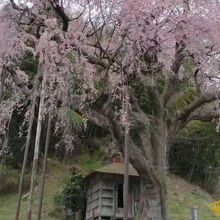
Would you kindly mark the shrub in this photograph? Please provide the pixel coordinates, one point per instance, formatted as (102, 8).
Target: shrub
(72, 197)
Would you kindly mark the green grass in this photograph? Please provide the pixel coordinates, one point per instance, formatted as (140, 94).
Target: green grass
(185, 196)
(182, 196)
(181, 210)
(90, 162)
(53, 182)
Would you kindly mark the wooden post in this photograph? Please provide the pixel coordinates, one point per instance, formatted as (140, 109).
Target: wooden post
(194, 212)
(114, 199)
(78, 215)
(44, 167)
(126, 155)
(37, 146)
(100, 201)
(2, 82)
(27, 147)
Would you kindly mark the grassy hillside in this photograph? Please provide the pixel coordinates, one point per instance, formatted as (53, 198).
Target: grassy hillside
(182, 196)
(54, 180)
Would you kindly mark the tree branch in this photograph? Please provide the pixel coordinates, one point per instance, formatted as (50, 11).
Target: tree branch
(14, 5)
(172, 80)
(203, 99)
(17, 80)
(155, 99)
(86, 110)
(61, 13)
(150, 84)
(96, 61)
(204, 115)
(144, 167)
(195, 78)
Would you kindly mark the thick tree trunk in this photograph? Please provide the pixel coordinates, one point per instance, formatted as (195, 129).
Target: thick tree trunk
(150, 160)
(153, 190)
(153, 200)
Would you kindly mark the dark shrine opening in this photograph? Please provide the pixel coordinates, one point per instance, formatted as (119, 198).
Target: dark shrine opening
(120, 199)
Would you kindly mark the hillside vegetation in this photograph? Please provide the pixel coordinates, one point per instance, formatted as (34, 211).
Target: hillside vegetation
(55, 177)
(182, 196)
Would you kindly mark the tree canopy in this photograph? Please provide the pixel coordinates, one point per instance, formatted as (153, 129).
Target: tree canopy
(92, 56)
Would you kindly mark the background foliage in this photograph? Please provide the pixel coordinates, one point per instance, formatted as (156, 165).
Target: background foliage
(195, 154)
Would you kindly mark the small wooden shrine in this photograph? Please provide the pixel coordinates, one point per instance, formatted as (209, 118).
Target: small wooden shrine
(105, 192)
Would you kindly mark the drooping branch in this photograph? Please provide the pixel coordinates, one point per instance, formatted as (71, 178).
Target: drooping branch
(61, 13)
(203, 99)
(104, 119)
(18, 81)
(7, 108)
